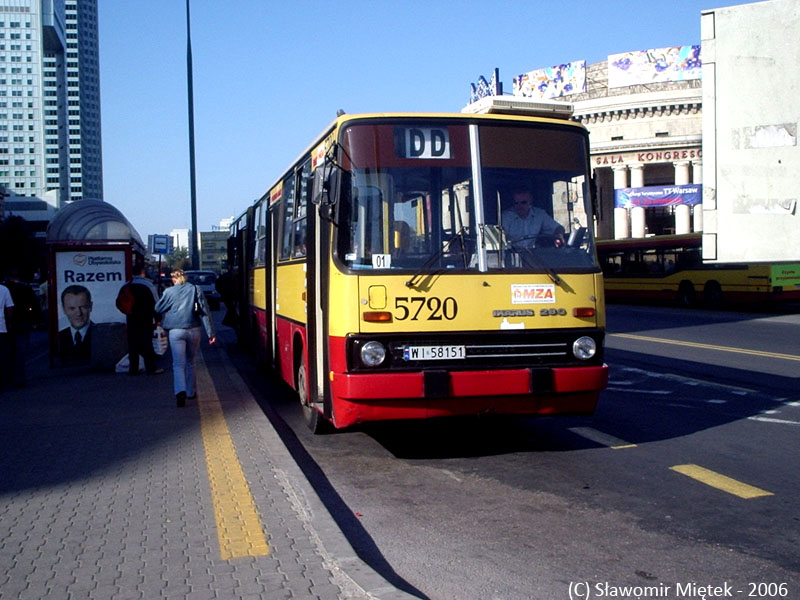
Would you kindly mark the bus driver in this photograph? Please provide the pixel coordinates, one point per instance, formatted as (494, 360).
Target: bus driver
(524, 222)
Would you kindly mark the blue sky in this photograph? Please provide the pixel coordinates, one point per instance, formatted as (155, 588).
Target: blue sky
(269, 76)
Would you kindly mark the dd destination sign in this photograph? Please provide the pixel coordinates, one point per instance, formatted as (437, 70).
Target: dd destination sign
(422, 142)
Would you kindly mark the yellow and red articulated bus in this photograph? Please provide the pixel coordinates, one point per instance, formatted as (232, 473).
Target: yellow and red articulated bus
(409, 266)
(670, 268)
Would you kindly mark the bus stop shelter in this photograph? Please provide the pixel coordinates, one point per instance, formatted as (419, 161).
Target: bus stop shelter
(91, 248)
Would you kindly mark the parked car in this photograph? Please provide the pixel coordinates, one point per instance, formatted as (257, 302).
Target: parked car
(205, 280)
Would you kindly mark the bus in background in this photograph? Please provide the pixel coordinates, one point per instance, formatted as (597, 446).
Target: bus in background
(389, 272)
(670, 268)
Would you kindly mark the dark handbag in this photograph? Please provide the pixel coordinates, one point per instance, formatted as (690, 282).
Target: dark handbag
(198, 307)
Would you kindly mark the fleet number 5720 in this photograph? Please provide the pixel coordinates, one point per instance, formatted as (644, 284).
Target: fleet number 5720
(434, 308)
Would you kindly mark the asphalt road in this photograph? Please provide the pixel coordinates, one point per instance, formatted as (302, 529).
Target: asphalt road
(684, 482)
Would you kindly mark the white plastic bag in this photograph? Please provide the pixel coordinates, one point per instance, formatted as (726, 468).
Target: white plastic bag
(124, 364)
(160, 342)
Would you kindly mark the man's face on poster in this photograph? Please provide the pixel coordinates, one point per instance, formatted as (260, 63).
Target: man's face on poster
(78, 308)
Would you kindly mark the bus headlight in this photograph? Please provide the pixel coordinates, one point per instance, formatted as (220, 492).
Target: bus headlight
(373, 354)
(584, 348)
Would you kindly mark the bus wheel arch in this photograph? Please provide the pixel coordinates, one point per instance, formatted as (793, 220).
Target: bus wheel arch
(686, 294)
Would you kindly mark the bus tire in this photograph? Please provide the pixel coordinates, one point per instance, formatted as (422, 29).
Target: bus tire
(712, 294)
(686, 294)
(313, 418)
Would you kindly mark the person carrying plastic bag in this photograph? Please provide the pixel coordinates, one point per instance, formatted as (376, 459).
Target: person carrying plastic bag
(182, 311)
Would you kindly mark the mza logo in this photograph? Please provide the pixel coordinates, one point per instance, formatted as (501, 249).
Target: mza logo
(536, 293)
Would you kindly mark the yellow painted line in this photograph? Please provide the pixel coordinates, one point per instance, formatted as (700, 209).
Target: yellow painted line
(645, 338)
(721, 482)
(239, 528)
(602, 438)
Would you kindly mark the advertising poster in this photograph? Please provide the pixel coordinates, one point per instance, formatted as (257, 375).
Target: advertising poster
(87, 283)
(677, 63)
(785, 275)
(486, 88)
(553, 82)
(667, 195)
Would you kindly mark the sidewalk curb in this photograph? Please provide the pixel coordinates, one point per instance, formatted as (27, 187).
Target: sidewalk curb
(352, 575)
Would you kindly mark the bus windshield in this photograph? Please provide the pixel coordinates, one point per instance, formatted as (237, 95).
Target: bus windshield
(409, 201)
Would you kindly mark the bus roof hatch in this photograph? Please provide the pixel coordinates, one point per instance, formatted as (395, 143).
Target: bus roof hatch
(514, 105)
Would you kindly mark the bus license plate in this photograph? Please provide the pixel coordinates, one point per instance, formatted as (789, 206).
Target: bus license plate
(434, 352)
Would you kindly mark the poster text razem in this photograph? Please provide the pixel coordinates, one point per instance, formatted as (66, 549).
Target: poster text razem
(533, 293)
(102, 272)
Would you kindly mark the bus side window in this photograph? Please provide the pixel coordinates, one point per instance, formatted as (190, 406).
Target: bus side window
(260, 246)
(612, 265)
(299, 238)
(287, 204)
(670, 261)
(653, 262)
(303, 198)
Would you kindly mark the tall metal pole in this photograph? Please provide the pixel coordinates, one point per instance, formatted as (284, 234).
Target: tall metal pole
(195, 232)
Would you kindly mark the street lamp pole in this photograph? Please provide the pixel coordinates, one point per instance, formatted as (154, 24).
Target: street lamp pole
(195, 233)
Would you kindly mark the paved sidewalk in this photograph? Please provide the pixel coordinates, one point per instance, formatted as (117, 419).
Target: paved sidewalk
(109, 491)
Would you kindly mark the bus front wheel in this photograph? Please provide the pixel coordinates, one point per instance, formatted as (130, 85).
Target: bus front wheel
(312, 417)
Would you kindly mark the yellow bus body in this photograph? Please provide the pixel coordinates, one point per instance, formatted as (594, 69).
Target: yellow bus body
(311, 316)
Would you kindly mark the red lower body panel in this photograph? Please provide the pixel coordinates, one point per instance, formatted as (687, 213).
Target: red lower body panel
(384, 396)
(288, 336)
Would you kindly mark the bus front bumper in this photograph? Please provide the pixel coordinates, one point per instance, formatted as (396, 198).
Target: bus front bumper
(419, 395)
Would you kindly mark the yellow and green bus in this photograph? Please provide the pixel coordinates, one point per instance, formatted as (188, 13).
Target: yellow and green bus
(379, 276)
(670, 268)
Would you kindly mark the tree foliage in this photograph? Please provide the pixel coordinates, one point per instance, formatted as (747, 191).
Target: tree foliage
(179, 259)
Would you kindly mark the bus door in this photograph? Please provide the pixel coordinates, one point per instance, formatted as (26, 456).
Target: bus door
(244, 264)
(260, 285)
(294, 277)
(307, 245)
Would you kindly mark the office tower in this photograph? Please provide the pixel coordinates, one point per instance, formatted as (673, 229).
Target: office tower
(83, 76)
(50, 137)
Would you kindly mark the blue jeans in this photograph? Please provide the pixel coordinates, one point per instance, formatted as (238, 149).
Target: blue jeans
(184, 344)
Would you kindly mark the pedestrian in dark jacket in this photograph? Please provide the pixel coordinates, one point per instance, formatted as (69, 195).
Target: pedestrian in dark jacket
(27, 314)
(139, 320)
(178, 317)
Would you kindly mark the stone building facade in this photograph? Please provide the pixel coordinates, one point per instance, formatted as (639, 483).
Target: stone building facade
(642, 135)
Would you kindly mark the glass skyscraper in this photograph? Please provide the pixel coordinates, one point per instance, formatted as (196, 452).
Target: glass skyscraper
(50, 136)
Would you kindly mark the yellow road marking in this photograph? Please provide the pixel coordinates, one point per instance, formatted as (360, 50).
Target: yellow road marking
(706, 346)
(602, 438)
(721, 482)
(239, 528)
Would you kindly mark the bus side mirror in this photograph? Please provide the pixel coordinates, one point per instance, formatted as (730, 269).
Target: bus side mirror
(325, 180)
(322, 185)
(576, 237)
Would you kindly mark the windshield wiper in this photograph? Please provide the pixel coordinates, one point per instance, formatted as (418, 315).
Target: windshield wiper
(423, 270)
(525, 253)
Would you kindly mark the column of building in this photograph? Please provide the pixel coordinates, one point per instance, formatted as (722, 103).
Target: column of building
(633, 223)
(697, 179)
(638, 215)
(688, 218)
(622, 228)
(683, 212)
